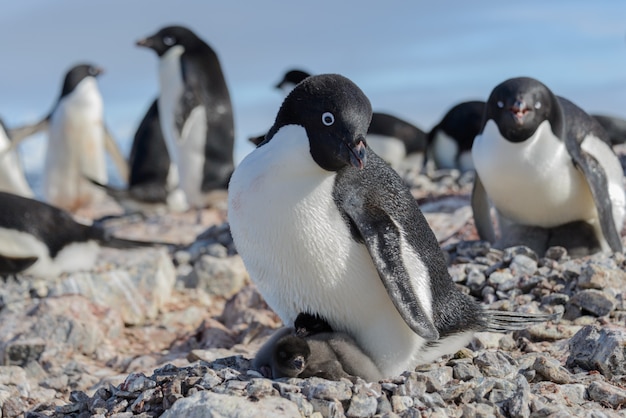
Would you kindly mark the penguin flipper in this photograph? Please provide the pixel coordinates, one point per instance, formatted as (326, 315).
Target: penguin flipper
(502, 321)
(116, 155)
(482, 211)
(383, 240)
(597, 180)
(13, 265)
(20, 133)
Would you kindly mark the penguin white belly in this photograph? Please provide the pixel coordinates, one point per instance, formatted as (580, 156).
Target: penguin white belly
(73, 257)
(444, 150)
(279, 195)
(12, 178)
(172, 87)
(76, 149)
(532, 182)
(388, 148)
(191, 156)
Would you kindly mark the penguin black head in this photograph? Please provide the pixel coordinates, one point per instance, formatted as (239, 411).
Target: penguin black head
(169, 37)
(335, 114)
(310, 324)
(290, 356)
(77, 74)
(519, 105)
(292, 78)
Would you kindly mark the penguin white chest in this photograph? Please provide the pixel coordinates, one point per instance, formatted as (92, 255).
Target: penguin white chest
(299, 251)
(389, 148)
(172, 87)
(533, 182)
(12, 178)
(76, 147)
(445, 150)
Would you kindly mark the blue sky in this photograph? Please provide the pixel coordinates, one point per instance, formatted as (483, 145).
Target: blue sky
(414, 59)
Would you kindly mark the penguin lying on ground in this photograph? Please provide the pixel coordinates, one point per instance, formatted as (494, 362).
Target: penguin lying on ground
(45, 241)
(326, 227)
(549, 170)
(77, 142)
(152, 186)
(12, 177)
(450, 141)
(390, 137)
(195, 113)
(305, 351)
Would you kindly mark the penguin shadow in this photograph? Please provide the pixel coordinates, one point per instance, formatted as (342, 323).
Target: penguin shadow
(312, 349)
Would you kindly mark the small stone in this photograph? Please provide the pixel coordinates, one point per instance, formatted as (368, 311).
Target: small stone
(328, 408)
(518, 405)
(594, 348)
(323, 389)
(594, 301)
(465, 371)
(556, 253)
(258, 388)
(362, 405)
(136, 382)
(606, 393)
(475, 279)
(495, 364)
(400, 404)
(551, 370)
(523, 265)
(511, 252)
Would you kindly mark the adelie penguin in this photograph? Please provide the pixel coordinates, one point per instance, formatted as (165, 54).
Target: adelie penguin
(77, 142)
(450, 141)
(392, 138)
(45, 241)
(195, 113)
(326, 227)
(152, 184)
(550, 172)
(12, 177)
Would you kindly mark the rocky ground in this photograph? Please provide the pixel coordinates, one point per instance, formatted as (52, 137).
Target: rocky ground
(170, 332)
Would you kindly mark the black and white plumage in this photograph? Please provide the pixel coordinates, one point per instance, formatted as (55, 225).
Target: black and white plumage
(392, 138)
(326, 227)
(42, 240)
(195, 112)
(549, 170)
(12, 177)
(614, 126)
(152, 186)
(78, 142)
(450, 141)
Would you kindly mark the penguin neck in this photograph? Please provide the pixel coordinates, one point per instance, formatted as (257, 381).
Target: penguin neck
(85, 97)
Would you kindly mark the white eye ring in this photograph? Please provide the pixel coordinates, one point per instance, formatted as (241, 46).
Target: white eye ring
(538, 105)
(169, 40)
(500, 104)
(328, 118)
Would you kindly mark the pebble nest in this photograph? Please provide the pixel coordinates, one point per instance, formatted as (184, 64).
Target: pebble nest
(575, 366)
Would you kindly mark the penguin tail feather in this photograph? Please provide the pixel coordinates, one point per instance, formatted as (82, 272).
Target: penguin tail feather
(124, 243)
(502, 321)
(111, 191)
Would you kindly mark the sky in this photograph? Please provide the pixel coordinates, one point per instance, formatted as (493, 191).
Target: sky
(414, 59)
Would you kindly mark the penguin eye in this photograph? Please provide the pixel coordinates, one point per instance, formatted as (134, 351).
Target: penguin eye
(328, 118)
(500, 104)
(169, 40)
(538, 105)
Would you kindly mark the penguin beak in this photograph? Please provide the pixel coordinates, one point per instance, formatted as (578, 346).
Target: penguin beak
(298, 363)
(519, 110)
(356, 152)
(145, 42)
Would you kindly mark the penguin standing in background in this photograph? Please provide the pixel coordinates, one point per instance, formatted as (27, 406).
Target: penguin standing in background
(615, 128)
(450, 141)
(12, 178)
(549, 170)
(195, 113)
(77, 142)
(390, 137)
(152, 183)
(45, 241)
(326, 227)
